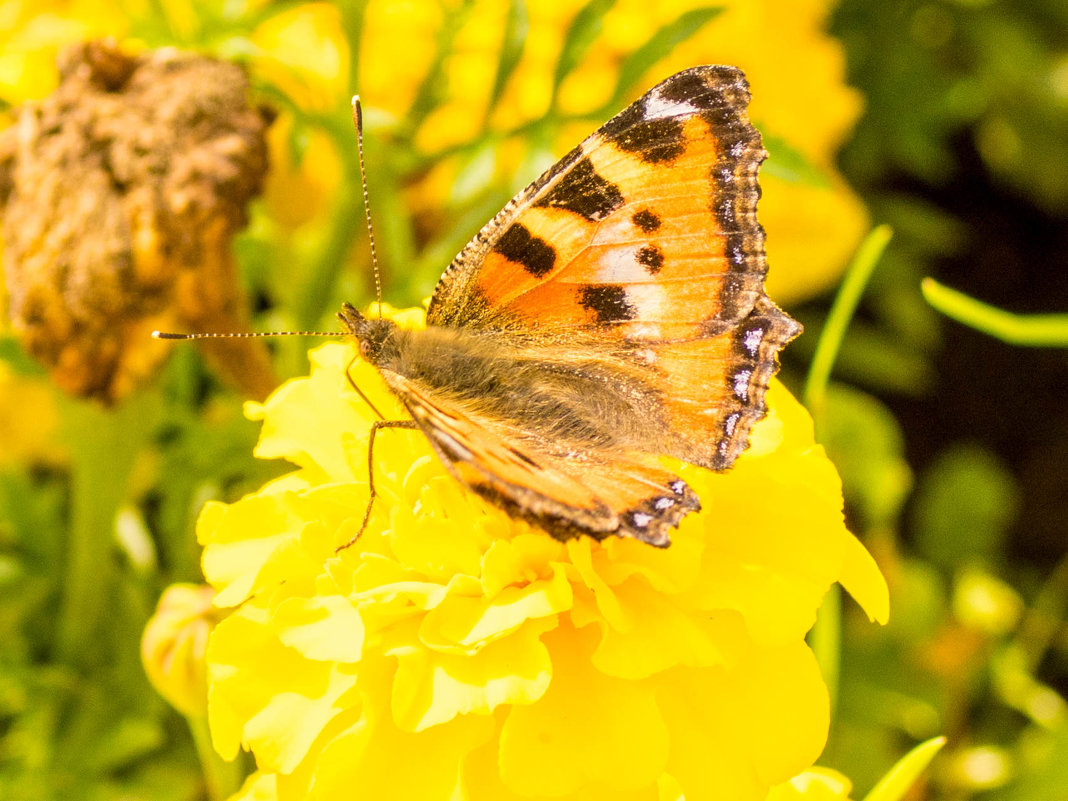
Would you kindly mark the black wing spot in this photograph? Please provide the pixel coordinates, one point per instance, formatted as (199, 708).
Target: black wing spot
(689, 87)
(652, 141)
(651, 258)
(582, 191)
(647, 220)
(535, 255)
(608, 302)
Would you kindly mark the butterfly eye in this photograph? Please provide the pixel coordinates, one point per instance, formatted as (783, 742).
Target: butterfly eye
(365, 348)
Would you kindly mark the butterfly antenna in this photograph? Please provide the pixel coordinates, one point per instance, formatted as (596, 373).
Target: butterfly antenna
(244, 334)
(357, 120)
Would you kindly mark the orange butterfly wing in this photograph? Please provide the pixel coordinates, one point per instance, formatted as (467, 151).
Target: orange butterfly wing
(645, 236)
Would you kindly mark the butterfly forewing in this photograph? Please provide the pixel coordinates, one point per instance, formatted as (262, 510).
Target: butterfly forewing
(648, 226)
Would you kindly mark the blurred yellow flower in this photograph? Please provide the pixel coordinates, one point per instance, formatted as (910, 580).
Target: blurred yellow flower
(302, 52)
(33, 34)
(29, 420)
(501, 662)
(796, 70)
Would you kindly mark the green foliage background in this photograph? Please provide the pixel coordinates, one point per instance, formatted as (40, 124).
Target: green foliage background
(952, 445)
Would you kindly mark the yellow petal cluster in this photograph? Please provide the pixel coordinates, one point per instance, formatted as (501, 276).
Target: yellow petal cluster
(454, 653)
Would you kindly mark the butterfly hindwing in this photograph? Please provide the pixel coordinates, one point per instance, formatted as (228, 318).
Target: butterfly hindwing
(565, 490)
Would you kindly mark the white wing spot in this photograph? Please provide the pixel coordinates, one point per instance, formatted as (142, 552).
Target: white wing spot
(657, 107)
(741, 384)
(751, 341)
(619, 265)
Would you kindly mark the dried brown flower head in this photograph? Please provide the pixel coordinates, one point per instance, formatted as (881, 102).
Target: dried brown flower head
(120, 194)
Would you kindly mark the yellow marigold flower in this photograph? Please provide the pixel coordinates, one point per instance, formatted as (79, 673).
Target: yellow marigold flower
(174, 645)
(501, 662)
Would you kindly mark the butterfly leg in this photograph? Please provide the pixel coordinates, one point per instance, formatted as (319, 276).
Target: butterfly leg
(348, 377)
(376, 426)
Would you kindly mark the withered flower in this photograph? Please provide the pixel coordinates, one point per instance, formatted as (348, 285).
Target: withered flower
(120, 194)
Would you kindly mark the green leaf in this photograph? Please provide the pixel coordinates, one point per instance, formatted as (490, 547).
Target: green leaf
(901, 777)
(516, 25)
(583, 31)
(1034, 330)
(659, 45)
(353, 16)
(845, 305)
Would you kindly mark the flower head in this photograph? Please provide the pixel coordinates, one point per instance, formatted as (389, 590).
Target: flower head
(506, 664)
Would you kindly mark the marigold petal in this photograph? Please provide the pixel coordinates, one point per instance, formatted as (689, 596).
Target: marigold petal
(863, 580)
(481, 781)
(325, 628)
(431, 687)
(373, 759)
(282, 732)
(588, 727)
(464, 624)
(661, 635)
(424, 541)
(815, 784)
(232, 559)
(737, 731)
(313, 440)
(257, 787)
(522, 559)
(668, 570)
(293, 530)
(237, 692)
(608, 606)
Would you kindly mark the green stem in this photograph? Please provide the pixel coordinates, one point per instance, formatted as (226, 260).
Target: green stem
(104, 445)
(222, 778)
(1033, 330)
(845, 305)
(825, 640)
(344, 224)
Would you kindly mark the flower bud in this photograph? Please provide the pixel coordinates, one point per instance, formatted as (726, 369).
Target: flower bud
(174, 646)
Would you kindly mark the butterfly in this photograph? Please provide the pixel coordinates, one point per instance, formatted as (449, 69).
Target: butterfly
(612, 313)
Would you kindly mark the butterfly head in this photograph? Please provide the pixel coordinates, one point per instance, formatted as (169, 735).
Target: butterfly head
(375, 337)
